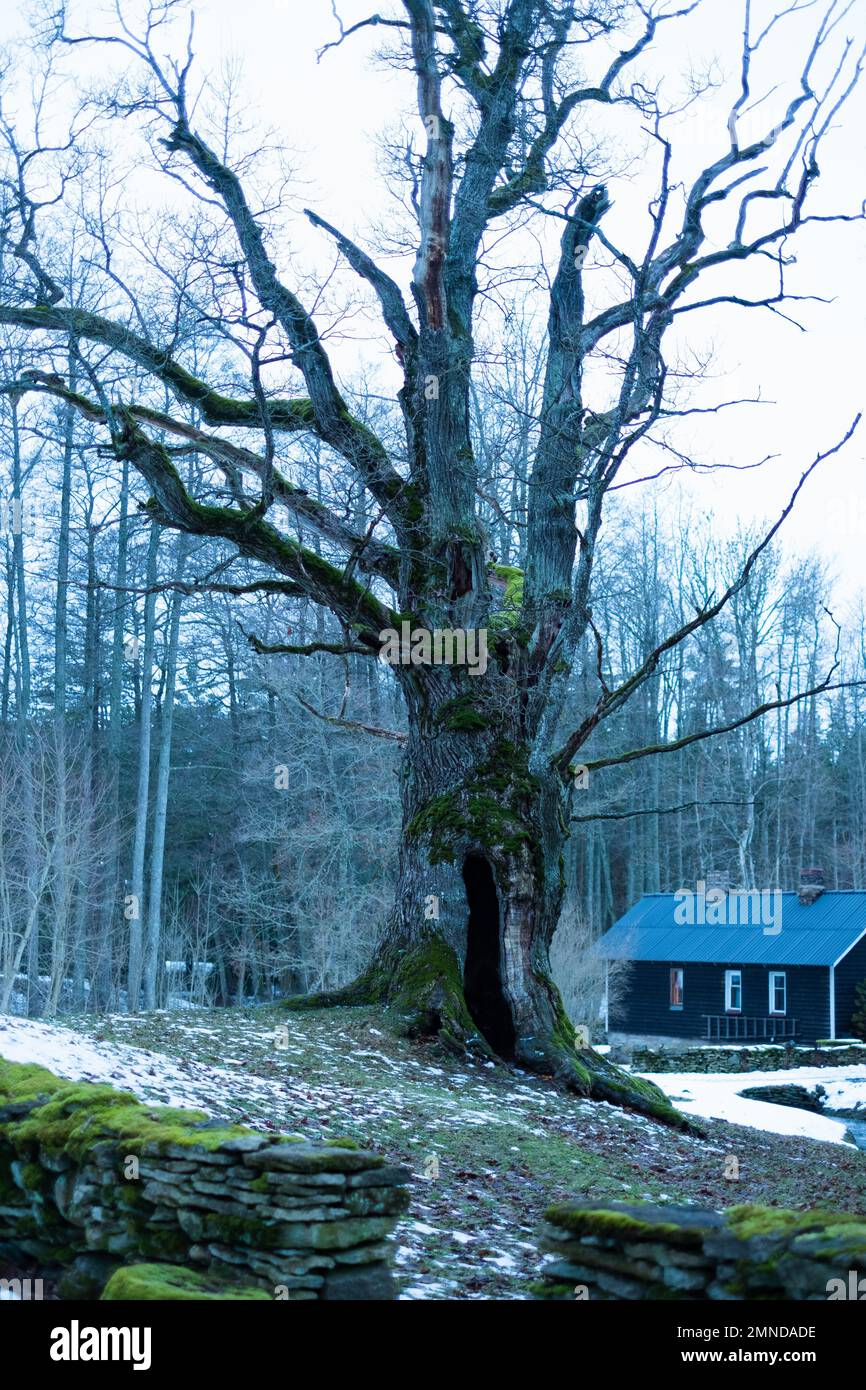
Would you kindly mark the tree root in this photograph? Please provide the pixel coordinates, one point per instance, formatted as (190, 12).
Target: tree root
(421, 990)
(618, 1087)
(365, 989)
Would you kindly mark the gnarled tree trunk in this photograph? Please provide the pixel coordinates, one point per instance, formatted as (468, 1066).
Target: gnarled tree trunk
(465, 953)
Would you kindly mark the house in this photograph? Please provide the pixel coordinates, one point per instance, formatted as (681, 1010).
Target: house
(723, 965)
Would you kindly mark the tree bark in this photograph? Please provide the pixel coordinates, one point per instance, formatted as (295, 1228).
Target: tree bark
(65, 891)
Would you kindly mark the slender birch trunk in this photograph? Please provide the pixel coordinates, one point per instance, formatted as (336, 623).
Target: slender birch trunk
(134, 902)
(64, 890)
(160, 812)
(109, 904)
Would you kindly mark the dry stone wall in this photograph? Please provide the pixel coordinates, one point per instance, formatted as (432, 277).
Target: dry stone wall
(763, 1058)
(93, 1182)
(639, 1250)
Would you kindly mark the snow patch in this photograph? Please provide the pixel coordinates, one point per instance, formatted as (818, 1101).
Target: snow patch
(714, 1096)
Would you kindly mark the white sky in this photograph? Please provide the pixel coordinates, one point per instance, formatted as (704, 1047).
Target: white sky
(329, 114)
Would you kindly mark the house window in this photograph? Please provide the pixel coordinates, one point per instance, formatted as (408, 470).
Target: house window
(778, 992)
(677, 987)
(733, 991)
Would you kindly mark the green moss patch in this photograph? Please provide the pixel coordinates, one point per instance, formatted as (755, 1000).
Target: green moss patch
(493, 812)
(753, 1220)
(77, 1116)
(22, 1081)
(629, 1222)
(153, 1282)
(461, 715)
(426, 996)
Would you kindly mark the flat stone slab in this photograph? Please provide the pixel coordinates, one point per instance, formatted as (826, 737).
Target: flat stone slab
(631, 1221)
(307, 1158)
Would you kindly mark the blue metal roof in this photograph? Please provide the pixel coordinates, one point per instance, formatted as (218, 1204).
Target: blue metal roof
(818, 934)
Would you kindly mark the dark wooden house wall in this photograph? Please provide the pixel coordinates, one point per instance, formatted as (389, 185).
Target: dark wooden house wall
(849, 972)
(645, 1008)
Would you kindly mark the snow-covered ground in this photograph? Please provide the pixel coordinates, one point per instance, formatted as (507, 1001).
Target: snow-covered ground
(66, 1053)
(200, 1085)
(715, 1096)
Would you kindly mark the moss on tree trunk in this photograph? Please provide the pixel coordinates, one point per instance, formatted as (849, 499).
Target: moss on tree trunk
(465, 953)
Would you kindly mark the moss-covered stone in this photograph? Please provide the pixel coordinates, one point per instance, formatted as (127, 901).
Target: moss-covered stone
(751, 1220)
(749, 1251)
(303, 1158)
(24, 1081)
(206, 1191)
(159, 1282)
(627, 1222)
(78, 1116)
(158, 1245)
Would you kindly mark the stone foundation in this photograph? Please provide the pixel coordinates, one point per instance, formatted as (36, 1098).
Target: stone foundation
(92, 1181)
(638, 1250)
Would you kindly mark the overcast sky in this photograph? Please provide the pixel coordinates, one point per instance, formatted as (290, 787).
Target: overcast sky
(329, 114)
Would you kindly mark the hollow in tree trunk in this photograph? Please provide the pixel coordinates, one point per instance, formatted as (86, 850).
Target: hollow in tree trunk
(465, 952)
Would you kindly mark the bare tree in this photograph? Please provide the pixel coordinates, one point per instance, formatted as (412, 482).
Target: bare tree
(504, 89)
(38, 869)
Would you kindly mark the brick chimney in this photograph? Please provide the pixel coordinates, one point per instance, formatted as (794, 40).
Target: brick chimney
(811, 886)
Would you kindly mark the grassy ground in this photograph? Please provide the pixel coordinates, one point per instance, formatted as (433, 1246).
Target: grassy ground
(505, 1144)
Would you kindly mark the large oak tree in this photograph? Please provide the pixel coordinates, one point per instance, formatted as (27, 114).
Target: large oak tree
(508, 95)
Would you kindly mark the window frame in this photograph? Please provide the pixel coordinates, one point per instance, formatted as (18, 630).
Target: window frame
(676, 981)
(771, 1003)
(729, 981)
